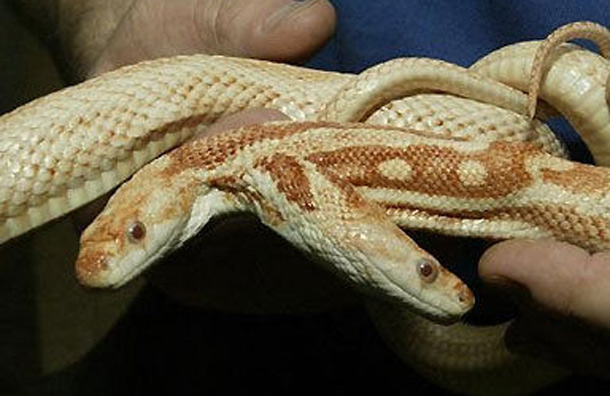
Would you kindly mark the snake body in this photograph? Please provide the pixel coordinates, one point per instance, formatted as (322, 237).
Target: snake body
(578, 93)
(70, 147)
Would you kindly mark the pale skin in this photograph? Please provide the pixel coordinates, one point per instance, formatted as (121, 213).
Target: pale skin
(568, 284)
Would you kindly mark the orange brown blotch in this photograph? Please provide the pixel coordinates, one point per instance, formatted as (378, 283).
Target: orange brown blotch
(212, 151)
(580, 178)
(290, 179)
(89, 264)
(435, 170)
(232, 184)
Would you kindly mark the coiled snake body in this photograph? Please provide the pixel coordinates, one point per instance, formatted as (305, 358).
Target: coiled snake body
(329, 188)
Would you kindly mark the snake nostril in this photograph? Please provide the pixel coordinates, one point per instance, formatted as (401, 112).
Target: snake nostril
(465, 297)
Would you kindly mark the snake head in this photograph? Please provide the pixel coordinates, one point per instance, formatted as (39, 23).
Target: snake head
(390, 266)
(142, 222)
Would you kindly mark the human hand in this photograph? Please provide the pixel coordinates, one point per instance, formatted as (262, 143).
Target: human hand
(569, 320)
(95, 36)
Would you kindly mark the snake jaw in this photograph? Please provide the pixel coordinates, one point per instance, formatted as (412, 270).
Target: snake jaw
(89, 265)
(114, 262)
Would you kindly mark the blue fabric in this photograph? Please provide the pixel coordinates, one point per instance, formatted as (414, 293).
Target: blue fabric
(369, 32)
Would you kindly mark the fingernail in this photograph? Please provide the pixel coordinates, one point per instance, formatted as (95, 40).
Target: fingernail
(286, 12)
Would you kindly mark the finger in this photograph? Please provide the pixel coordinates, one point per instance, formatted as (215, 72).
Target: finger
(282, 30)
(286, 31)
(561, 277)
(243, 118)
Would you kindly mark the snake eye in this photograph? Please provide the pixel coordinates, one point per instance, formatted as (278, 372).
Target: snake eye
(136, 231)
(427, 270)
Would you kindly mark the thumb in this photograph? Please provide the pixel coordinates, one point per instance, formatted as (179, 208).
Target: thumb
(281, 30)
(560, 277)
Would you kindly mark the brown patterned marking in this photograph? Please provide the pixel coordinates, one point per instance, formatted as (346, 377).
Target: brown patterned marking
(226, 183)
(210, 152)
(355, 202)
(89, 264)
(290, 179)
(581, 179)
(566, 224)
(232, 185)
(435, 170)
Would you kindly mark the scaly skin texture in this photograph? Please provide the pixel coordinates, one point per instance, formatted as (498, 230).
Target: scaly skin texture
(311, 182)
(579, 30)
(66, 149)
(579, 94)
(490, 369)
(277, 172)
(583, 101)
(69, 148)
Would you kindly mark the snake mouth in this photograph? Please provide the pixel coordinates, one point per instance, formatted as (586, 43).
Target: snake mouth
(90, 267)
(101, 266)
(442, 314)
(99, 269)
(104, 262)
(449, 308)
